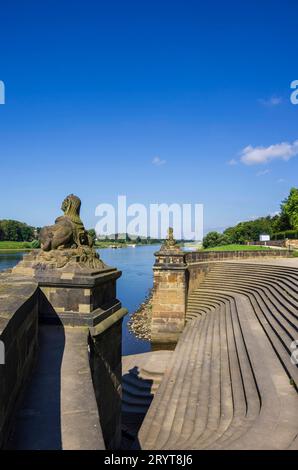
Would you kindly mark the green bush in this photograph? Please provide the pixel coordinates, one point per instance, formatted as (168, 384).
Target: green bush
(292, 234)
(35, 244)
(213, 239)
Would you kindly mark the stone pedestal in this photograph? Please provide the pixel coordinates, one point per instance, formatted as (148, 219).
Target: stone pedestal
(169, 296)
(78, 298)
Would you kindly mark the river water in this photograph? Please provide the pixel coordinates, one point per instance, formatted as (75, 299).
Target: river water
(133, 286)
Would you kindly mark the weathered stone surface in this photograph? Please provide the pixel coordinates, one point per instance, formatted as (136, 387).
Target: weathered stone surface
(169, 293)
(105, 360)
(83, 299)
(170, 245)
(68, 231)
(59, 410)
(18, 333)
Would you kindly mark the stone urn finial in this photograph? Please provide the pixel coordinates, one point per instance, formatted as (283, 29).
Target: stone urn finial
(170, 244)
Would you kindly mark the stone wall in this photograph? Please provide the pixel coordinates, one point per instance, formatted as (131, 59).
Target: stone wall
(292, 244)
(198, 256)
(18, 334)
(106, 367)
(196, 275)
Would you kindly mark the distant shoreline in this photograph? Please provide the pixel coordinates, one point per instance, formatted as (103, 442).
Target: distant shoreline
(21, 250)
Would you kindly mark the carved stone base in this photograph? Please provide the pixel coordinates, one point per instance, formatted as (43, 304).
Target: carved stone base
(79, 258)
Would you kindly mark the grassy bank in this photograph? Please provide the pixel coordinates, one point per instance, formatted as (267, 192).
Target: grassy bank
(15, 246)
(237, 247)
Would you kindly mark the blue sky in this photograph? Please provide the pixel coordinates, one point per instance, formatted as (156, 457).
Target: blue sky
(156, 100)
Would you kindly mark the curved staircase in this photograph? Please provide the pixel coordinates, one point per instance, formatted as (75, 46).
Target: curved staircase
(141, 377)
(230, 383)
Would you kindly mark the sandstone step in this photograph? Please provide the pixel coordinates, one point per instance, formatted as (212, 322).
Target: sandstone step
(199, 371)
(158, 409)
(227, 386)
(134, 400)
(280, 342)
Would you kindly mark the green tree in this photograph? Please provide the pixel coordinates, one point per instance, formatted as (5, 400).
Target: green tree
(213, 239)
(13, 230)
(289, 210)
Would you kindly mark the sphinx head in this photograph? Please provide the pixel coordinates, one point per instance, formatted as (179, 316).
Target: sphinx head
(71, 205)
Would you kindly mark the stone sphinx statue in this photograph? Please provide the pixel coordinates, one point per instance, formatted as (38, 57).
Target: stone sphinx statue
(68, 231)
(66, 244)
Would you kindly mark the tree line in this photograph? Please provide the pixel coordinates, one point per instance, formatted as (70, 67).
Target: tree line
(279, 226)
(13, 230)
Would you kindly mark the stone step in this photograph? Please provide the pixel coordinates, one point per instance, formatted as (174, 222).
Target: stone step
(155, 418)
(196, 340)
(132, 391)
(134, 409)
(277, 312)
(279, 277)
(199, 371)
(200, 427)
(134, 400)
(279, 340)
(278, 288)
(273, 310)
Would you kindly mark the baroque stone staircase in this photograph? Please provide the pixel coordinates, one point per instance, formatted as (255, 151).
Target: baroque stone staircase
(141, 377)
(230, 383)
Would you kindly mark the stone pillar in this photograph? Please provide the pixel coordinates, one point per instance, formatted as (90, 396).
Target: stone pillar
(169, 294)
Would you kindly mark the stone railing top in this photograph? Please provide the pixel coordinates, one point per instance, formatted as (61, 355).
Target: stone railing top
(14, 292)
(194, 257)
(168, 258)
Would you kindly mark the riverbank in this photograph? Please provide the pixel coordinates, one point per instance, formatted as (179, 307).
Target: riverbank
(140, 321)
(14, 247)
(6, 246)
(238, 247)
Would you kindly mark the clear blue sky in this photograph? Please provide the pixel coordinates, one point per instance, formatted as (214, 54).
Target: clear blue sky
(153, 99)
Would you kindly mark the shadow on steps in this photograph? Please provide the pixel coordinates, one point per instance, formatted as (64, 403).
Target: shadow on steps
(136, 399)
